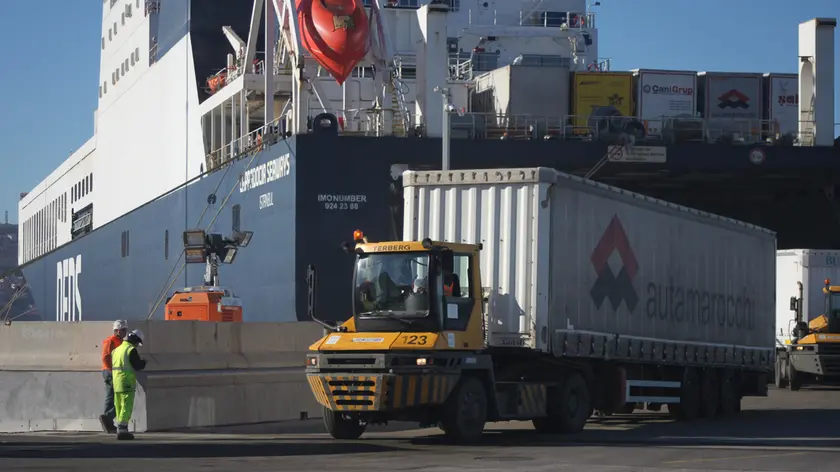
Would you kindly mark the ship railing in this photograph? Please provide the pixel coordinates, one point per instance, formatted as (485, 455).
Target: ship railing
(460, 68)
(253, 142)
(557, 19)
(476, 125)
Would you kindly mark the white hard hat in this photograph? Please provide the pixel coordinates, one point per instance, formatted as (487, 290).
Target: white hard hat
(139, 335)
(420, 284)
(120, 324)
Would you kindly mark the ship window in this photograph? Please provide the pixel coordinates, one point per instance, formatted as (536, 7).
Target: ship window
(137, 53)
(126, 65)
(90, 181)
(103, 43)
(84, 187)
(113, 79)
(138, 3)
(122, 19)
(166, 244)
(115, 27)
(236, 217)
(100, 91)
(132, 59)
(454, 5)
(110, 35)
(122, 68)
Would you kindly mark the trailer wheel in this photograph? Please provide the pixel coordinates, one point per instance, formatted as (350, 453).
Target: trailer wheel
(710, 394)
(730, 394)
(465, 411)
(794, 377)
(690, 397)
(575, 404)
(343, 426)
(780, 374)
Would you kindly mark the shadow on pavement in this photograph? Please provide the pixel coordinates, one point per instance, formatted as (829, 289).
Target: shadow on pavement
(141, 449)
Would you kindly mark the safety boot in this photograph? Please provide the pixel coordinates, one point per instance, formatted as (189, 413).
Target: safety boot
(123, 433)
(107, 424)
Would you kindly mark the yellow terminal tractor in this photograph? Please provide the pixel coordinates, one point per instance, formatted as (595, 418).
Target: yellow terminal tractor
(812, 354)
(418, 348)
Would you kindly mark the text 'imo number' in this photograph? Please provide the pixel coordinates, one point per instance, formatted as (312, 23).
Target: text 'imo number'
(339, 202)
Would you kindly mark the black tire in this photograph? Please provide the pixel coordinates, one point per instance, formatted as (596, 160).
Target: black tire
(569, 408)
(690, 397)
(794, 377)
(730, 394)
(780, 380)
(710, 401)
(341, 427)
(465, 411)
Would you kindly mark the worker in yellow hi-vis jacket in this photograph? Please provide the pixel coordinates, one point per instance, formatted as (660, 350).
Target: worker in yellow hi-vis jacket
(125, 362)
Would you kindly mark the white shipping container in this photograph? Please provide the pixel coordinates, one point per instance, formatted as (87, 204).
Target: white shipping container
(661, 93)
(731, 103)
(783, 102)
(811, 267)
(562, 253)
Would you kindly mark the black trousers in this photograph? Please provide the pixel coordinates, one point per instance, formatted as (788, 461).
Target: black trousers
(110, 411)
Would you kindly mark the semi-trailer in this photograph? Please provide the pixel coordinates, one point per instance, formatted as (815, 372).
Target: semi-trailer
(530, 294)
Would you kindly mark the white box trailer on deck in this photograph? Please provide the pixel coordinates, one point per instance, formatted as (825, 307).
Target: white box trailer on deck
(529, 294)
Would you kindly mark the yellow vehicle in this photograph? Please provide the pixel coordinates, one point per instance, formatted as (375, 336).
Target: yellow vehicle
(416, 349)
(813, 352)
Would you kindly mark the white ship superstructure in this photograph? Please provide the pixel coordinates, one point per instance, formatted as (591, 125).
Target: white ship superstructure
(158, 125)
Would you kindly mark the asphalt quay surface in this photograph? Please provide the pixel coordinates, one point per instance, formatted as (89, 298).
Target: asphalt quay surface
(789, 431)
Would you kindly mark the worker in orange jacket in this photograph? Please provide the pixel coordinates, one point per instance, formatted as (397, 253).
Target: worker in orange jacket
(108, 345)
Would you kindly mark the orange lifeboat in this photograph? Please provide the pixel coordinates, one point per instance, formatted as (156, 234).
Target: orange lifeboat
(335, 32)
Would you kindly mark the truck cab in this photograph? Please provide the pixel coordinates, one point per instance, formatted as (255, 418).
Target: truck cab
(416, 326)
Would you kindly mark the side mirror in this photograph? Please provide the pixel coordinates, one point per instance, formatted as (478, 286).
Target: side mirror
(794, 304)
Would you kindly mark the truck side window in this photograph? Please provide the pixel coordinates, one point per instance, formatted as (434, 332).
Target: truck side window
(458, 305)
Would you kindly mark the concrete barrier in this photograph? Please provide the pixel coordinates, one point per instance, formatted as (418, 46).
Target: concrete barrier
(197, 375)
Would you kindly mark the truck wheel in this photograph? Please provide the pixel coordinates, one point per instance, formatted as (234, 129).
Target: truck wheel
(710, 394)
(781, 381)
(465, 411)
(730, 394)
(690, 397)
(569, 406)
(343, 427)
(794, 377)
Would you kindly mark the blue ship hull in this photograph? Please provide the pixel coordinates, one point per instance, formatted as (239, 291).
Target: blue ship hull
(302, 197)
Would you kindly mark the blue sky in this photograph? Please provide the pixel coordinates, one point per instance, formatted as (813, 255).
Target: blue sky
(48, 88)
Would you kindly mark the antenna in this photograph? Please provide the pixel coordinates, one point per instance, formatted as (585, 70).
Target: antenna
(6, 219)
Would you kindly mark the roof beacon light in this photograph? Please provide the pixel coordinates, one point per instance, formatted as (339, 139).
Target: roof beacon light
(359, 237)
(827, 282)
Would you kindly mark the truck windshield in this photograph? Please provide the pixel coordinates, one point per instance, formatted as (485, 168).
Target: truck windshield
(392, 284)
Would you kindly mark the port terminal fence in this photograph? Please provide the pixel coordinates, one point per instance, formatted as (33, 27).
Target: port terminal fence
(199, 374)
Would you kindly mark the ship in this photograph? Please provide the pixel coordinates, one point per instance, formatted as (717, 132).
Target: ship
(253, 118)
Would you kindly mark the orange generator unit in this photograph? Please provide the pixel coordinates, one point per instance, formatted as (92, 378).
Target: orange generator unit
(204, 304)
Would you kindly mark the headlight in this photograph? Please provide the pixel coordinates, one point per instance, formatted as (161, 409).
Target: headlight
(312, 361)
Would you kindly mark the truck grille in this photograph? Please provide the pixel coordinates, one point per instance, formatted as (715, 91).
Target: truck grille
(380, 392)
(347, 392)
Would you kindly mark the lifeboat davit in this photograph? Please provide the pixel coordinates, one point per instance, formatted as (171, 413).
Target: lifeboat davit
(335, 32)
